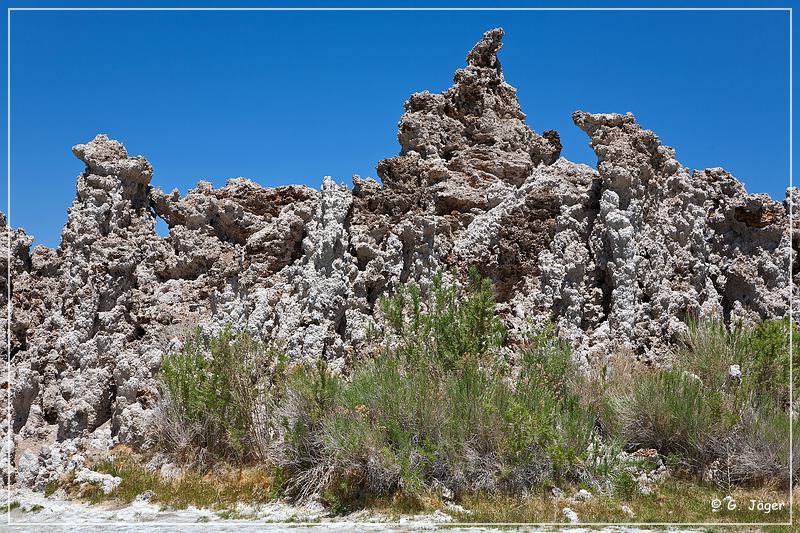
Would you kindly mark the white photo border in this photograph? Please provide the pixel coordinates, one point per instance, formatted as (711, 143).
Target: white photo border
(264, 524)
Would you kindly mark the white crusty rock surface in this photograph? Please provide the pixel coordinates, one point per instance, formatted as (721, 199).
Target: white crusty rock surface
(620, 256)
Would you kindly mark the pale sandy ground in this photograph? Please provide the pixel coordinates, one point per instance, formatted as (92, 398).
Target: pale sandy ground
(63, 515)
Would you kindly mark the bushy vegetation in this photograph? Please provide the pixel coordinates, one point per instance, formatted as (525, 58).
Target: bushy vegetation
(437, 408)
(445, 329)
(672, 412)
(218, 396)
(705, 418)
(440, 406)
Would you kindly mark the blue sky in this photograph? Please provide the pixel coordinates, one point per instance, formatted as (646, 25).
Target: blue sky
(289, 97)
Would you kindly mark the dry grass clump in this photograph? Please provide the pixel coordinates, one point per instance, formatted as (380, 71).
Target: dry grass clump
(676, 501)
(218, 488)
(733, 430)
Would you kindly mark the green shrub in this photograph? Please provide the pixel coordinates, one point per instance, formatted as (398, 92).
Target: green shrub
(697, 415)
(625, 486)
(436, 407)
(756, 451)
(672, 412)
(766, 365)
(300, 452)
(218, 394)
(548, 412)
(444, 328)
(708, 350)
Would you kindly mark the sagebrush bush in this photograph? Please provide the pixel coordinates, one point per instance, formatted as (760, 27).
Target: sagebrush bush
(445, 327)
(708, 349)
(766, 364)
(549, 404)
(300, 449)
(700, 416)
(762, 353)
(672, 412)
(218, 394)
(437, 407)
(756, 451)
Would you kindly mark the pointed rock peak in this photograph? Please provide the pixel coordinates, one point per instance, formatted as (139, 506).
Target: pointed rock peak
(484, 54)
(630, 159)
(107, 157)
(99, 150)
(459, 138)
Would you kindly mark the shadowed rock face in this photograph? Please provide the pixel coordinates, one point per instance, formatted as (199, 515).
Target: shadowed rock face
(619, 256)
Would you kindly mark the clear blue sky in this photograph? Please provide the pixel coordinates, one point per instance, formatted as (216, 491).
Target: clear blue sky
(289, 97)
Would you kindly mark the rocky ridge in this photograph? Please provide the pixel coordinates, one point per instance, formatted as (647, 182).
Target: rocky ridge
(619, 256)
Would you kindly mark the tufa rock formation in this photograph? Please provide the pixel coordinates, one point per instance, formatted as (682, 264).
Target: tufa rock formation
(619, 257)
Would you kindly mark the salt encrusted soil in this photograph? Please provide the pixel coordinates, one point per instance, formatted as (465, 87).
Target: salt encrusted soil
(64, 516)
(620, 256)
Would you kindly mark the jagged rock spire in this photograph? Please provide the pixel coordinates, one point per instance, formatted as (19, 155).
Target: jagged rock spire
(107, 157)
(484, 53)
(473, 135)
(671, 242)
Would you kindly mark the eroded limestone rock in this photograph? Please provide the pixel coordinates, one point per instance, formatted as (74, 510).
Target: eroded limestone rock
(671, 242)
(619, 256)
